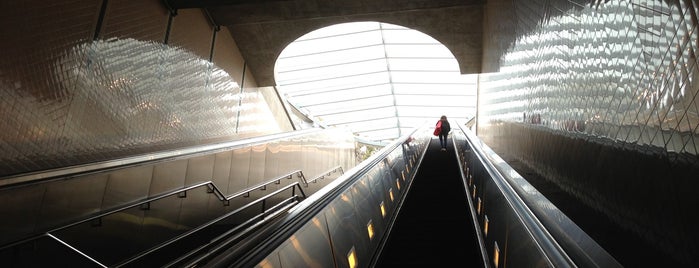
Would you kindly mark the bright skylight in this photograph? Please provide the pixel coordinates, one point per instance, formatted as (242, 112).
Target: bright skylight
(379, 80)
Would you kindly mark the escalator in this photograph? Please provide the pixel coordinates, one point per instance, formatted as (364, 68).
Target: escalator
(432, 228)
(409, 204)
(468, 207)
(164, 208)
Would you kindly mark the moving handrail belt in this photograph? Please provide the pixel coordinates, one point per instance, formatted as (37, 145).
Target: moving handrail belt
(562, 242)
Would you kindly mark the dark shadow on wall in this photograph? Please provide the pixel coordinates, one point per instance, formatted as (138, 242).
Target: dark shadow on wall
(636, 201)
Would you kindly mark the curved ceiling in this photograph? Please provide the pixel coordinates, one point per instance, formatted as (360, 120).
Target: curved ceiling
(379, 80)
(263, 28)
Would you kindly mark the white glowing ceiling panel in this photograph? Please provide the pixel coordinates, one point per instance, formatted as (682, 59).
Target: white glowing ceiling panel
(378, 79)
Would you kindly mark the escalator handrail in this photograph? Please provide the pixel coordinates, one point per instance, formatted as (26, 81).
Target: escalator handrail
(222, 246)
(543, 238)
(471, 203)
(205, 251)
(216, 220)
(248, 252)
(577, 244)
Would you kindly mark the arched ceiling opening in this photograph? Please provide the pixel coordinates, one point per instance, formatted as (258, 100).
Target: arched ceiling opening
(378, 79)
(262, 29)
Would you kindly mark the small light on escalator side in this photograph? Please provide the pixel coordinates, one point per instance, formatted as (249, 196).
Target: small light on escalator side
(478, 208)
(352, 258)
(383, 209)
(485, 225)
(496, 255)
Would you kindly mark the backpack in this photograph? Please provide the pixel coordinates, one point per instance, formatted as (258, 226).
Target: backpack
(438, 129)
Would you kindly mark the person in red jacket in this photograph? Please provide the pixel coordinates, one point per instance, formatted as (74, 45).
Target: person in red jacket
(444, 132)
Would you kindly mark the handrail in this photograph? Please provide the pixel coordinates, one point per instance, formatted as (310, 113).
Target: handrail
(60, 241)
(109, 212)
(569, 237)
(247, 205)
(211, 188)
(261, 244)
(263, 185)
(219, 245)
(548, 245)
(216, 220)
(210, 184)
(471, 203)
(59, 173)
(100, 215)
(326, 173)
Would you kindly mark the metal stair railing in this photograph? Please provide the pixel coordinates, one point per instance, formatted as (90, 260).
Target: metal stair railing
(262, 185)
(225, 240)
(326, 173)
(182, 193)
(251, 223)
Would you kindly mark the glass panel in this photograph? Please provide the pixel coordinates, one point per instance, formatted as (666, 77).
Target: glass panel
(363, 75)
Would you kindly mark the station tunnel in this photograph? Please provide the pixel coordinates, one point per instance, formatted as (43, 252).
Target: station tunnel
(108, 106)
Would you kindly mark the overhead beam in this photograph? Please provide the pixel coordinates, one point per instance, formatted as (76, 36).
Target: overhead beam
(182, 4)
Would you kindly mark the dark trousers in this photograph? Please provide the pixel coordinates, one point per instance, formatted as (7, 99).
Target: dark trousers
(443, 139)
